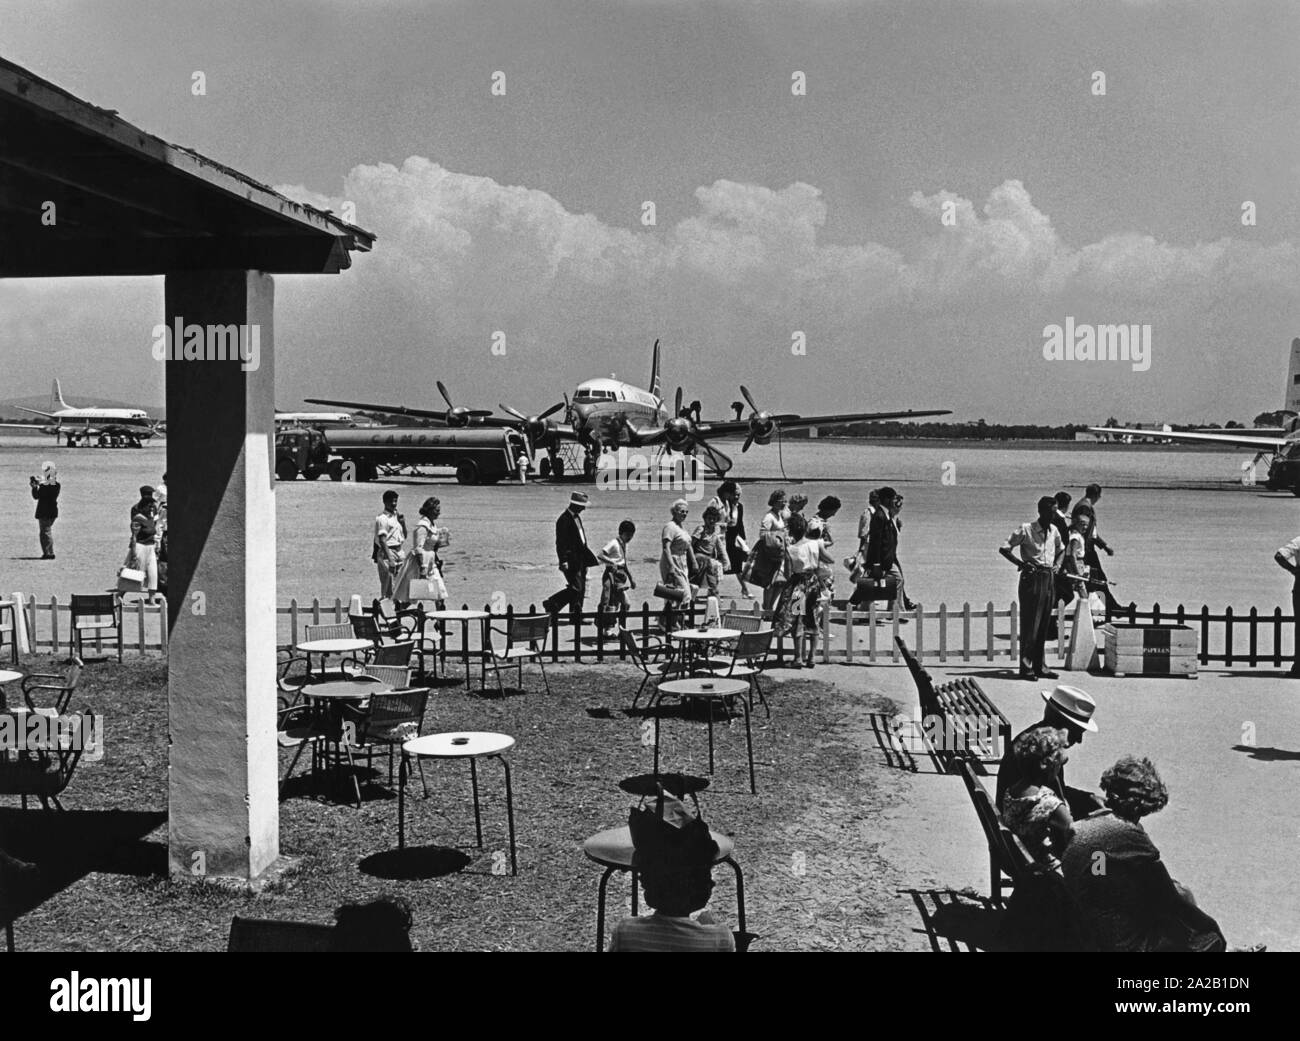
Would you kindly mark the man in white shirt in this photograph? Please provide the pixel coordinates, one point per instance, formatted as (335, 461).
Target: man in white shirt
(1289, 558)
(390, 535)
(1041, 553)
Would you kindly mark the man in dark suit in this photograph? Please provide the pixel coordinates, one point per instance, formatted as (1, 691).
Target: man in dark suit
(574, 557)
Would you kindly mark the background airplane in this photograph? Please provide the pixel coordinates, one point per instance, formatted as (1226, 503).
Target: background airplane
(316, 420)
(80, 424)
(1280, 445)
(612, 413)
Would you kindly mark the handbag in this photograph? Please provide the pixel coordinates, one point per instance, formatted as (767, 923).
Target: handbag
(431, 588)
(130, 579)
(674, 593)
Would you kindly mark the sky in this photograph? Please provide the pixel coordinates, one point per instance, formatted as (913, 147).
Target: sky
(779, 218)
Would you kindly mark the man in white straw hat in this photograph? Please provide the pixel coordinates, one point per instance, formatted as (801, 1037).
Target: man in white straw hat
(1069, 709)
(574, 557)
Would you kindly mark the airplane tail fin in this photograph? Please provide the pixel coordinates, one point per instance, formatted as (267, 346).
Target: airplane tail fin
(656, 387)
(1291, 398)
(56, 398)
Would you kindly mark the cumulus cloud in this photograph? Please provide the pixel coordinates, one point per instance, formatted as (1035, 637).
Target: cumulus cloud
(469, 234)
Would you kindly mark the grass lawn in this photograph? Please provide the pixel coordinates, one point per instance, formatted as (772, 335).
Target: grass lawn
(814, 879)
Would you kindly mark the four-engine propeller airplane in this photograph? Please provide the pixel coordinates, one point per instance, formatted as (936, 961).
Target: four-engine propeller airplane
(78, 425)
(1279, 445)
(611, 413)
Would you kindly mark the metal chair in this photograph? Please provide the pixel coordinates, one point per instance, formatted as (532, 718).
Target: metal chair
(525, 640)
(389, 646)
(743, 621)
(748, 659)
(44, 773)
(299, 727)
(390, 718)
(97, 613)
(651, 670)
(63, 689)
(406, 623)
(292, 675)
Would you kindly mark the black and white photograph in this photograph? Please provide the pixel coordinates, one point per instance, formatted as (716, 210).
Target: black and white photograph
(651, 475)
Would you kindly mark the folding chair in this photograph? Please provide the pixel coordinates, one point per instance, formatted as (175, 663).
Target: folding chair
(97, 613)
(748, 659)
(525, 640)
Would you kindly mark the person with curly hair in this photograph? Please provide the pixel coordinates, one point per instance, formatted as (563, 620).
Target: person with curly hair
(1031, 808)
(1116, 880)
(1070, 709)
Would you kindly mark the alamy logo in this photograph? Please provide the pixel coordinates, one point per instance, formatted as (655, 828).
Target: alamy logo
(1073, 342)
(626, 471)
(195, 342)
(102, 995)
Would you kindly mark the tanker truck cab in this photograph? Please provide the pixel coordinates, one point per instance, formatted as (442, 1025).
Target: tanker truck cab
(476, 455)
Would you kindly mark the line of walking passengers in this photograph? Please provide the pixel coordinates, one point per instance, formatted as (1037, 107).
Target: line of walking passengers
(790, 560)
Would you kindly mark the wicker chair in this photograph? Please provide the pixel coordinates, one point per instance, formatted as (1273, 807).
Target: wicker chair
(525, 641)
(407, 623)
(389, 719)
(63, 685)
(299, 727)
(393, 677)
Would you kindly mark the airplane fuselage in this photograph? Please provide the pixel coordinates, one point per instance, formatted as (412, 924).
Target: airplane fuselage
(603, 409)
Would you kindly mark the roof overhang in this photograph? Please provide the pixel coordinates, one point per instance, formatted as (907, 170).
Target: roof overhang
(129, 203)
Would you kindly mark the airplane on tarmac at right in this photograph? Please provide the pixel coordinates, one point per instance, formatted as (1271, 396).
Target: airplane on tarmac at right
(1280, 445)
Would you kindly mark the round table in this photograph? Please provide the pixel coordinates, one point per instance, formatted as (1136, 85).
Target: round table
(464, 616)
(7, 676)
(327, 647)
(696, 641)
(471, 745)
(346, 689)
(712, 690)
(613, 850)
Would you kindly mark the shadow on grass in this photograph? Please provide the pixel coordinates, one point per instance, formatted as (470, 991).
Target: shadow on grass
(957, 922)
(65, 847)
(1268, 755)
(415, 862)
(894, 748)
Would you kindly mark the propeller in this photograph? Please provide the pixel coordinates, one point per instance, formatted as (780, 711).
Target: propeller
(681, 435)
(536, 427)
(762, 425)
(460, 417)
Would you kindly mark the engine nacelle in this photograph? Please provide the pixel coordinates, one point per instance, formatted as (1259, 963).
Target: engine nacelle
(762, 429)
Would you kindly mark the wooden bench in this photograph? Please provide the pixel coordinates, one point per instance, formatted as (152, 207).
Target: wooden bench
(1009, 861)
(973, 728)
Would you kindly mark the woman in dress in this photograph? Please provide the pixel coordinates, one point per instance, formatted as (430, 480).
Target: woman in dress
(769, 549)
(732, 510)
(1030, 807)
(423, 560)
(805, 557)
(676, 563)
(1134, 904)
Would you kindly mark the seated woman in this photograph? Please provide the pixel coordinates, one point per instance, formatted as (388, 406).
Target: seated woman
(1123, 894)
(1030, 808)
(674, 854)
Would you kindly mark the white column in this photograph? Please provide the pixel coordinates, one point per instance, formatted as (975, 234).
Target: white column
(224, 815)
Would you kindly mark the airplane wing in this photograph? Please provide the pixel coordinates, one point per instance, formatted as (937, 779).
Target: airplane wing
(393, 410)
(35, 412)
(1244, 440)
(795, 422)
